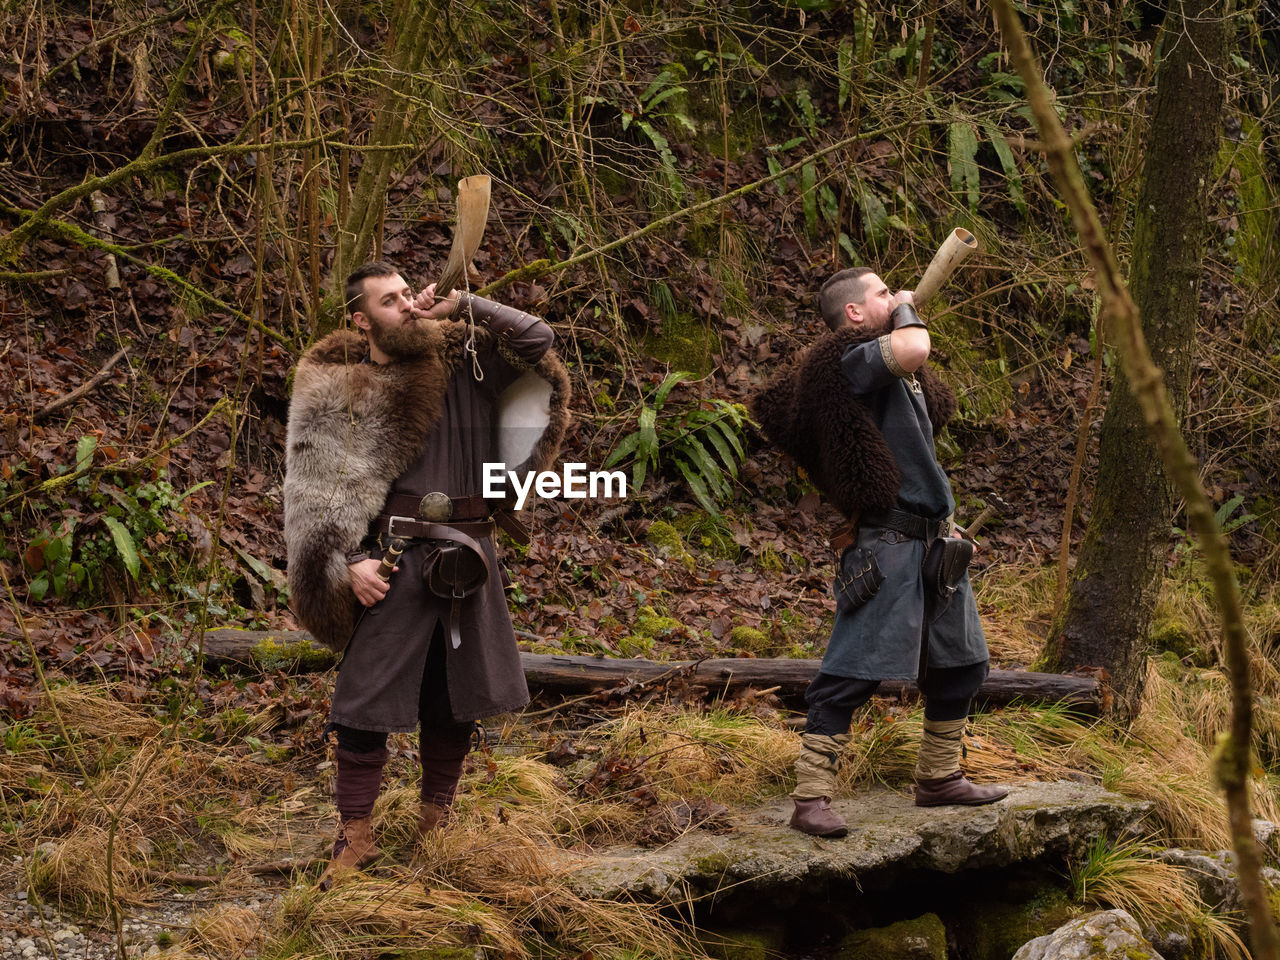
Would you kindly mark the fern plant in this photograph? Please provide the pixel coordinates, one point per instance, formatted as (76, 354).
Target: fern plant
(701, 441)
(663, 102)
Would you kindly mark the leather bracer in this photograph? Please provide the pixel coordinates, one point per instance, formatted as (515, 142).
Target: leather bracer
(506, 322)
(904, 315)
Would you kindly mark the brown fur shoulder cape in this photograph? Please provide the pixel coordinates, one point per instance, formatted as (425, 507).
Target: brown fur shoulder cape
(810, 412)
(353, 428)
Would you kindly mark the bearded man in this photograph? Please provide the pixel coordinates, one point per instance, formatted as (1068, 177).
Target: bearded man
(388, 431)
(859, 413)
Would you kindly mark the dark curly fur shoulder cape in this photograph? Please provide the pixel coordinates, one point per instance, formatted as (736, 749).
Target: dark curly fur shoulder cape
(810, 412)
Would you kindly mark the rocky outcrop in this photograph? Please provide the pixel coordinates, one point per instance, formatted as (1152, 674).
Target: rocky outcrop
(1215, 876)
(890, 840)
(1107, 935)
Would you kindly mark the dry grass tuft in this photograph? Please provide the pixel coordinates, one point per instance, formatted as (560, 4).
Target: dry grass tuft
(725, 756)
(496, 890)
(1016, 605)
(229, 932)
(1125, 876)
(73, 871)
(94, 711)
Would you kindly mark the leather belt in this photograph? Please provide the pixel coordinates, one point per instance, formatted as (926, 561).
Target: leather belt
(916, 527)
(437, 507)
(409, 528)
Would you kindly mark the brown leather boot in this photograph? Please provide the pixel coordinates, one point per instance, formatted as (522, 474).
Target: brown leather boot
(353, 849)
(815, 817)
(954, 789)
(431, 816)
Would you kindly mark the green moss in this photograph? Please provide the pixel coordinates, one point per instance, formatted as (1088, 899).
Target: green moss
(1255, 217)
(1169, 665)
(770, 560)
(685, 343)
(635, 646)
(915, 939)
(1273, 901)
(708, 534)
(270, 654)
(669, 544)
(987, 389)
(1174, 635)
(665, 537)
(995, 930)
(236, 53)
(751, 640)
(753, 944)
(651, 625)
(713, 865)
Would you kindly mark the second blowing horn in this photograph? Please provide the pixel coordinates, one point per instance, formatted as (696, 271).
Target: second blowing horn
(954, 249)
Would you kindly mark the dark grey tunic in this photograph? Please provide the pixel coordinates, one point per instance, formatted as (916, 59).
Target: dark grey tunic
(881, 639)
(381, 674)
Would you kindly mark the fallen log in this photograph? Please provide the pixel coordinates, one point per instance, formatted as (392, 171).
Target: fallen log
(554, 674)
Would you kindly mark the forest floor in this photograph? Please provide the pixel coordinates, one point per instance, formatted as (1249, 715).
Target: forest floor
(205, 824)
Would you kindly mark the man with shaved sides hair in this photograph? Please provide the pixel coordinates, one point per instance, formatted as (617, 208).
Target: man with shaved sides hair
(859, 412)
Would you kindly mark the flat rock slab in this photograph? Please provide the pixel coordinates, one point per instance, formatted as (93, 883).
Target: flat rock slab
(889, 837)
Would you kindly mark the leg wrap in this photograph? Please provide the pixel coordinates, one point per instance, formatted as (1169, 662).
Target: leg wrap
(817, 765)
(359, 778)
(940, 747)
(443, 752)
(443, 742)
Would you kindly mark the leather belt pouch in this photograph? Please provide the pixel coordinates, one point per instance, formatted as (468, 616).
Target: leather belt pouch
(945, 562)
(453, 569)
(860, 576)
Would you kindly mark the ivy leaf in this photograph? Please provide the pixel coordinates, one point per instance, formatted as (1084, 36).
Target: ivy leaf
(875, 219)
(123, 540)
(844, 70)
(963, 152)
(84, 451)
(1008, 164)
(809, 197)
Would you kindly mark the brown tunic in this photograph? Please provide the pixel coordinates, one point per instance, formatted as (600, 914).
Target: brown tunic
(382, 672)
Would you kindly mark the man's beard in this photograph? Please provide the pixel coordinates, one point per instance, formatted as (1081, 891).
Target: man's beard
(402, 341)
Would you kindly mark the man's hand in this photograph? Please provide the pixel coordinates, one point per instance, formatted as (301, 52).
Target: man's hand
(365, 582)
(426, 307)
(955, 532)
(904, 296)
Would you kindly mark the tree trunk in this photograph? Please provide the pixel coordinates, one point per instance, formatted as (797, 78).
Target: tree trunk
(416, 23)
(1117, 577)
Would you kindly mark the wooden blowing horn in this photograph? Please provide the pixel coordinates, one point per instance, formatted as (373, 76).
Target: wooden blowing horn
(473, 212)
(954, 249)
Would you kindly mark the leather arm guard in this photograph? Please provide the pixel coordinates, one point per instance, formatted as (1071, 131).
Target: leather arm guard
(904, 315)
(507, 322)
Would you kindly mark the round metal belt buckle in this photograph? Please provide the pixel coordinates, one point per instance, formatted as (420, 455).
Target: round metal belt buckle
(436, 507)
